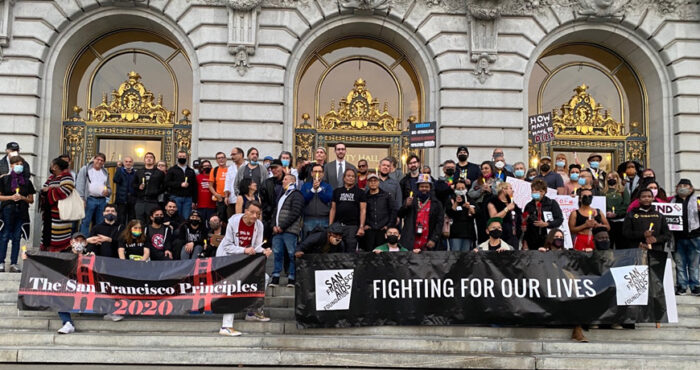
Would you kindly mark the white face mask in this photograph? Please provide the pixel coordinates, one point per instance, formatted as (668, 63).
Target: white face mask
(461, 193)
(500, 165)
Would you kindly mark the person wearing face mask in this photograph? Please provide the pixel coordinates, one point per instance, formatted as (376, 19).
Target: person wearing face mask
(494, 242)
(392, 237)
(617, 199)
(148, 183)
(630, 173)
(584, 220)
(444, 186)
(462, 231)
(323, 240)
(503, 207)
(266, 163)
(133, 244)
(599, 176)
(561, 168)
(160, 237)
(191, 237)
(12, 150)
(182, 185)
(464, 169)
(482, 190)
(253, 170)
(55, 233)
(531, 174)
(16, 194)
(551, 178)
(380, 214)
(519, 170)
(540, 214)
(501, 169)
(125, 193)
(575, 181)
(554, 241)
(658, 192)
(423, 218)
(687, 254)
(207, 201)
(217, 232)
(286, 227)
(644, 227)
(104, 237)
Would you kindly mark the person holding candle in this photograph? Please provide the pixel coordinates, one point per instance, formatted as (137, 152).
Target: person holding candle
(94, 187)
(584, 220)
(540, 214)
(318, 195)
(182, 183)
(482, 190)
(16, 194)
(503, 207)
(644, 227)
(617, 199)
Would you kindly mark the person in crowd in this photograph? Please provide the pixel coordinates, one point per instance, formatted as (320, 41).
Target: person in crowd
(266, 163)
(16, 194)
(462, 231)
(133, 244)
(540, 214)
(270, 194)
(125, 192)
(392, 237)
(444, 186)
(630, 172)
(617, 199)
(286, 227)
(12, 150)
(334, 171)
(191, 237)
(599, 176)
(575, 181)
(94, 187)
(362, 171)
(287, 165)
(388, 183)
(687, 255)
(519, 170)
(197, 166)
(162, 166)
(426, 170)
(395, 172)
(554, 241)
(408, 182)
(171, 217)
(164, 195)
(586, 179)
(148, 183)
(252, 170)
(494, 243)
(644, 227)
(230, 189)
(349, 208)
(601, 238)
(423, 218)
(55, 233)
(648, 175)
(319, 159)
(66, 157)
(585, 220)
(104, 237)
(380, 214)
(206, 200)
(560, 162)
(464, 169)
(244, 235)
(217, 183)
(182, 185)
(317, 200)
(160, 237)
(247, 192)
(77, 246)
(302, 164)
(551, 178)
(531, 174)
(658, 192)
(322, 240)
(501, 169)
(480, 194)
(503, 206)
(217, 231)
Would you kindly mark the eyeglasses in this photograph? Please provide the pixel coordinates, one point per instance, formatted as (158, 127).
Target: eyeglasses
(362, 165)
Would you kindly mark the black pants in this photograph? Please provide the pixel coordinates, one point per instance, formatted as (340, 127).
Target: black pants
(617, 240)
(350, 237)
(142, 210)
(372, 239)
(126, 212)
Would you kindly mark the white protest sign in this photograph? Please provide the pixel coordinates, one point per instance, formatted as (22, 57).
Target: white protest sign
(673, 212)
(569, 205)
(522, 193)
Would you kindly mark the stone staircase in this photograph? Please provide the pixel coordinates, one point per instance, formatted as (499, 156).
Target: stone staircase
(30, 337)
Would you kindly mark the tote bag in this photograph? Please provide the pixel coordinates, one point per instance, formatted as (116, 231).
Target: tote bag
(71, 208)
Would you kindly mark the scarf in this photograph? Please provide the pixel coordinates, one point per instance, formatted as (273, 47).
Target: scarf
(16, 179)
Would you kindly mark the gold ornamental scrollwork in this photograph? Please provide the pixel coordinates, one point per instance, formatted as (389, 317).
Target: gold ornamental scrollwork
(359, 111)
(304, 145)
(582, 116)
(132, 103)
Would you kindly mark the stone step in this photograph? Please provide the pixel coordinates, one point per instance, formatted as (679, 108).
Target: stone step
(617, 362)
(688, 299)
(275, 313)
(10, 276)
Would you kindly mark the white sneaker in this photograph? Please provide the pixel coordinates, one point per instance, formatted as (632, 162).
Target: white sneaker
(229, 332)
(256, 316)
(112, 317)
(67, 328)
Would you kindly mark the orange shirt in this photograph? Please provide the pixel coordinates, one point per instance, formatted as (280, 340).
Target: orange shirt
(220, 181)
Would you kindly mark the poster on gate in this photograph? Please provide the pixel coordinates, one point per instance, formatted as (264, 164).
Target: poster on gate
(522, 193)
(673, 212)
(569, 205)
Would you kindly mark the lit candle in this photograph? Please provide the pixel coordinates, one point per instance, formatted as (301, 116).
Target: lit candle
(316, 176)
(143, 181)
(651, 226)
(410, 195)
(613, 209)
(186, 179)
(17, 191)
(590, 215)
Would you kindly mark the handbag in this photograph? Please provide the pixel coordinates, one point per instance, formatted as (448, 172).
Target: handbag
(72, 208)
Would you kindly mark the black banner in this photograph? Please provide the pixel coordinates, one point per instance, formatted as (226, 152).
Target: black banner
(72, 283)
(510, 288)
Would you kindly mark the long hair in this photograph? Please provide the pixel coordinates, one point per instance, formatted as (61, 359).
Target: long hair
(549, 241)
(619, 187)
(493, 170)
(244, 186)
(131, 239)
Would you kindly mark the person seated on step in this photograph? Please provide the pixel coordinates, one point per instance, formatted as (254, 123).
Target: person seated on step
(190, 237)
(244, 235)
(322, 240)
(392, 236)
(494, 229)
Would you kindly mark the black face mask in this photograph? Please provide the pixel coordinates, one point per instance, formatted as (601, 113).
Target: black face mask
(206, 170)
(558, 242)
(182, 160)
(449, 171)
(586, 200)
(194, 222)
(158, 220)
(602, 245)
(110, 217)
(612, 182)
(496, 233)
(462, 157)
(545, 168)
(392, 239)
(423, 196)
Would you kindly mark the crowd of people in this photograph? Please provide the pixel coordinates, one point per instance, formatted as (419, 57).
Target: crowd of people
(287, 208)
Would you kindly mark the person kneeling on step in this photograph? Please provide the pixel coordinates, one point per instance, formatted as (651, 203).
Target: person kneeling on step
(244, 234)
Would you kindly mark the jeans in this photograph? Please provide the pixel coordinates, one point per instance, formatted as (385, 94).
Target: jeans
(687, 257)
(184, 206)
(350, 238)
(461, 245)
(280, 242)
(93, 213)
(311, 223)
(196, 250)
(65, 317)
(12, 231)
(205, 214)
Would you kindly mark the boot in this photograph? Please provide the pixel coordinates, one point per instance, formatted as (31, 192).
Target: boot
(578, 336)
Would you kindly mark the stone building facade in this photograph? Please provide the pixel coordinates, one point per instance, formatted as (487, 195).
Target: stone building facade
(473, 64)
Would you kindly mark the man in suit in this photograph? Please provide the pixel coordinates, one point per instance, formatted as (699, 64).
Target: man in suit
(333, 171)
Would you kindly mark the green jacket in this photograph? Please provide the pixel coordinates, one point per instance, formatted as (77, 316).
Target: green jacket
(385, 248)
(619, 201)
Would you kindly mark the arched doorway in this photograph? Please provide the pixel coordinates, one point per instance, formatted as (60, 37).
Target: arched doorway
(357, 90)
(598, 102)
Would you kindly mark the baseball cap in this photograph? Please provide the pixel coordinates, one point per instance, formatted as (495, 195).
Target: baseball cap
(78, 235)
(12, 146)
(275, 162)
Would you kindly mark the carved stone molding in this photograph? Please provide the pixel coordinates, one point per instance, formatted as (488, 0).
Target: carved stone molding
(364, 5)
(242, 31)
(6, 20)
(243, 5)
(602, 8)
(483, 35)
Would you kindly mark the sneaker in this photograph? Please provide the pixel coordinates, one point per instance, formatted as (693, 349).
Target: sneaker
(67, 328)
(256, 316)
(14, 268)
(594, 327)
(616, 326)
(229, 332)
(290, 283)
(695, 291)
(275, 281)
(681, 291)
(2, 268)
(112, 317)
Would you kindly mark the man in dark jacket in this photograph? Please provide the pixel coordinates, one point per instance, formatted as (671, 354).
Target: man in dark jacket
(317, 197)
(380, 214)
(104, 237)
(323, 240)
(286, 227)
(125, 193)
(270, 193)
(182, 184)
(408, 182)
(422, 218)
(644, 227)
(11, 150)
(541, 213)
(148, 184)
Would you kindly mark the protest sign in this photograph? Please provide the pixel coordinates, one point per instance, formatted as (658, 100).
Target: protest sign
(422, 135)
(541, 130)
(522, 193)
(568, 205)
(673, 213)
